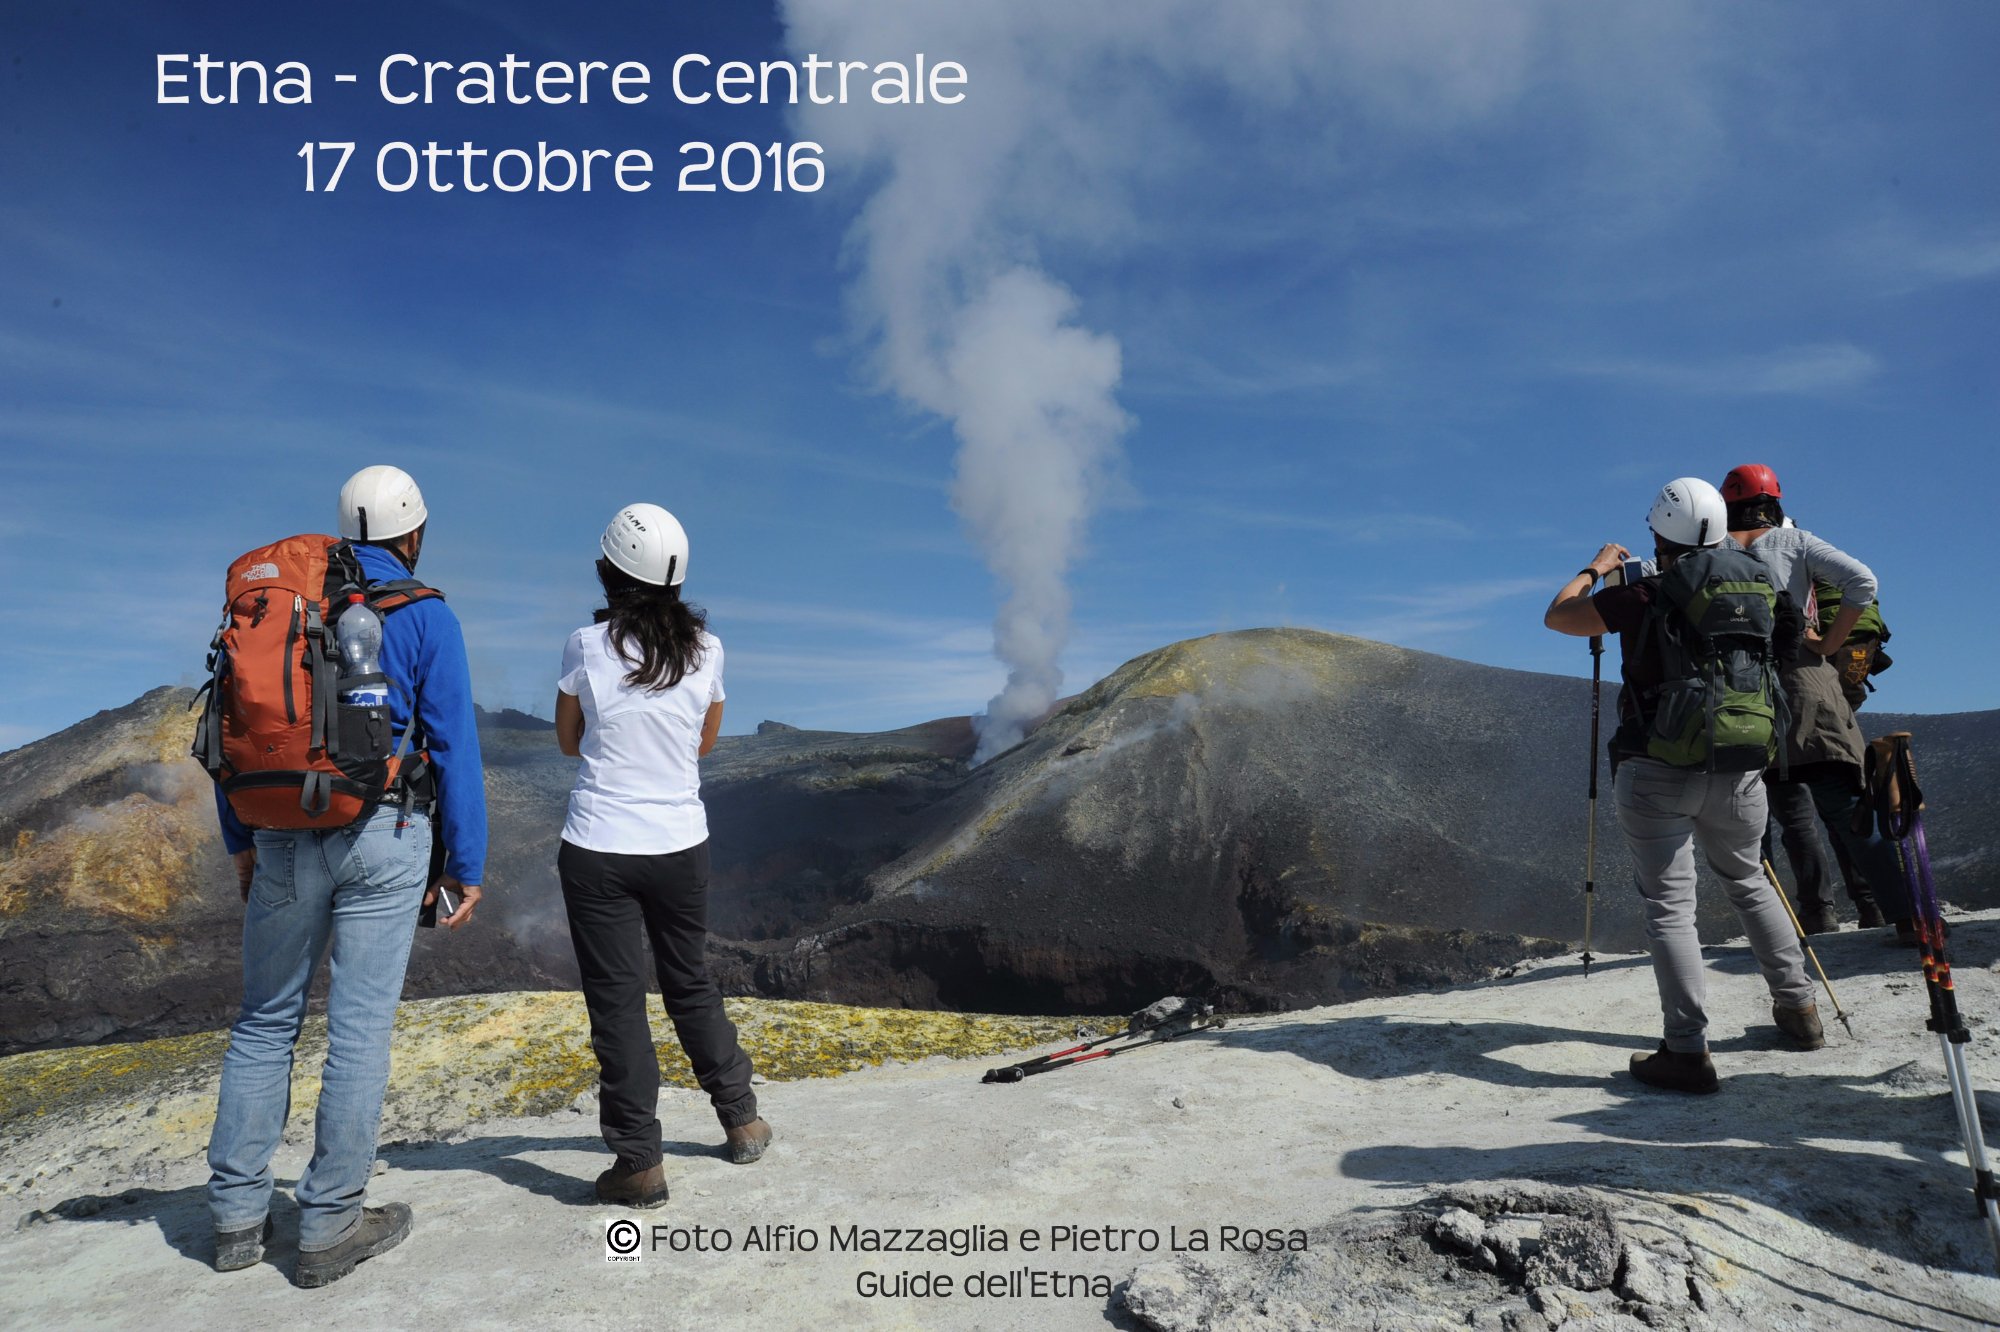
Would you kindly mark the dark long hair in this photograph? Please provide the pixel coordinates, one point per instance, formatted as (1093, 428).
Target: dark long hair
(666, 629)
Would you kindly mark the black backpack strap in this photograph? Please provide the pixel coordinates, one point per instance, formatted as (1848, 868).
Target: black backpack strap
(316, 792)
(388, 597)
(1658, 632)
(343, 570)
(324, 663)
(1781, 714)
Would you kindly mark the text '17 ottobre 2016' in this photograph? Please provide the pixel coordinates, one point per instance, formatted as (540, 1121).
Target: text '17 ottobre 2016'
(545, 167)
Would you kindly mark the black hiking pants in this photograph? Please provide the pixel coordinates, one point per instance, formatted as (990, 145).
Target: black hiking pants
(617, 905)
(1836, 792)
(1795, 819)
(1869, 868)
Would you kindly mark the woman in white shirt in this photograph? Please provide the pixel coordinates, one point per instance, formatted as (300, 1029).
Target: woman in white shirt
(639, 701)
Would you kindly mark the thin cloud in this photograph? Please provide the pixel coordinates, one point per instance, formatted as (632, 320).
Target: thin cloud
(1900, 256)
(1365, 528)
(1809, 371)
(1197, 377)
(1442, 614)
(942, 630)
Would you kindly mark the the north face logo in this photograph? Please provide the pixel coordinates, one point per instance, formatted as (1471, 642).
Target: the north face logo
(258, 572)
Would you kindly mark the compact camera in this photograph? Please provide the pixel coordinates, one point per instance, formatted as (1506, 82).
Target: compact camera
(1629, 571)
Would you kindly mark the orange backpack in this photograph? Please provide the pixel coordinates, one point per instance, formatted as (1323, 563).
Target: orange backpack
(274, 733)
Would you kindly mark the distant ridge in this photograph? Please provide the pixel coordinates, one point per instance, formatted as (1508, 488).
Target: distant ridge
(1272, 817)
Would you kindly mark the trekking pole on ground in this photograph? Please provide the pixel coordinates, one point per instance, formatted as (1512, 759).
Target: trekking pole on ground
(1838, 1011)
(1590, 837)
(1899, 804)
(1155, 1024)
(1040, 1063)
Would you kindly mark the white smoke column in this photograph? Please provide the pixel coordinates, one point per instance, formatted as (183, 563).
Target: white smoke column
(1032, 400)
(971, 328)
(1087, 125)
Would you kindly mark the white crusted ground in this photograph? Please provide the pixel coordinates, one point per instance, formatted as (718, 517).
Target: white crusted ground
(1817, 1190)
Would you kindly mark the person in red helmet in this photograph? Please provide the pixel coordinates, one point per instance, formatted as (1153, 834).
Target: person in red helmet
(1824, 744)
(1751, 481)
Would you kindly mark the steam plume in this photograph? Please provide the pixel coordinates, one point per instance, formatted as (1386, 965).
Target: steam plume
(1087, 126)
(1031, 397)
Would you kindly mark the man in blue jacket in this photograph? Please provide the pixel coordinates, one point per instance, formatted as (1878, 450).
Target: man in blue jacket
(358, 889)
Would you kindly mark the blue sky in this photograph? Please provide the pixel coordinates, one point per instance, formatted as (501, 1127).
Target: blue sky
(1403, 310)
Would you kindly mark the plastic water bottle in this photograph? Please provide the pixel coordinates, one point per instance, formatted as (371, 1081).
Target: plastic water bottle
(358, 634)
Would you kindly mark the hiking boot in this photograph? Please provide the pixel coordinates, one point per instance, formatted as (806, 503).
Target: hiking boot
(1905, 936)
(379, 1230)
(1870, 915)
(622, 1186)
(238, 1249)
(748, 1141)
(1800, 1024)
(1818, 920)
(1676, 1071)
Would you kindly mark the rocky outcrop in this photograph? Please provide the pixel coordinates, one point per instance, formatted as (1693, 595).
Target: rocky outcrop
(1509, 1256)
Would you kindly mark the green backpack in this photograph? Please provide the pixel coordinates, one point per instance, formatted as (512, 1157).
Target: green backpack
(1719, 707)
(1862, 655)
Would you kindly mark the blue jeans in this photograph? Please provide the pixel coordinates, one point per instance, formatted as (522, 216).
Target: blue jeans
(359, 887)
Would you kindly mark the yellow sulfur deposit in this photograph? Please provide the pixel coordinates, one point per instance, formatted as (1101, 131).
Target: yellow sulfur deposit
(474, 1057)
(130, 859)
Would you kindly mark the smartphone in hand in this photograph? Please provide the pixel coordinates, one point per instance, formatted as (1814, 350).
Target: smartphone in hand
(427, 915)
(444, 904)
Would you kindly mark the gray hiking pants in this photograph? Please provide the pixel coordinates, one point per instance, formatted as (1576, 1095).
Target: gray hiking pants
(1666, 812)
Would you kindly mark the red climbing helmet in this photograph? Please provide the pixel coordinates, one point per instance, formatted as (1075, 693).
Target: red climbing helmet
(1750, 481)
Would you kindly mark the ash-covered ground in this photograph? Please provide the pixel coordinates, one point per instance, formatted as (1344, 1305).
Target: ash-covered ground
(1469, 1157)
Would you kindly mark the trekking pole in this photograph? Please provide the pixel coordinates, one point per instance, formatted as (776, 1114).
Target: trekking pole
(1901, 816)
(1016, 1072)
(1027, 1067)
(1590, 836)
(1838, 1011)
(1153, 1025)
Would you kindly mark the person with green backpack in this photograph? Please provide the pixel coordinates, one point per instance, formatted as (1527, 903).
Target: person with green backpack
(1820, 781)
(1860, 659)
(1701, 714)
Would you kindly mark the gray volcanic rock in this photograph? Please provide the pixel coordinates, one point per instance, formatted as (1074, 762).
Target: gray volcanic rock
(1624, 1268)
(1280, 817)
(119, 914)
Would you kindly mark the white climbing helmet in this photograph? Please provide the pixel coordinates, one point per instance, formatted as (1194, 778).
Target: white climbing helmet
(1689, 512)
(649, 543)
(380, 502)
